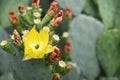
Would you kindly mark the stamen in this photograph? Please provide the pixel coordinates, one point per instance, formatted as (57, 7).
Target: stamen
(37, 46)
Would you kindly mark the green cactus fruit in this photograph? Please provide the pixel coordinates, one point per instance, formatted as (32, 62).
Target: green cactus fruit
(108, 51)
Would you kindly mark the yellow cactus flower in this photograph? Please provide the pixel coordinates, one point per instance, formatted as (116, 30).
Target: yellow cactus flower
(36, 44)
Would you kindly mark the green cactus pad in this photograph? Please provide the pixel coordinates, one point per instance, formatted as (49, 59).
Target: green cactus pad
(108, 51)
(84, 32)
(7, 76)
(31, 69)
(4, 62)
(109, 11)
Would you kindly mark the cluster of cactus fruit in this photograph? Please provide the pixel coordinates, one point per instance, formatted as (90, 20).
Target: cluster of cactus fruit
(36, 38)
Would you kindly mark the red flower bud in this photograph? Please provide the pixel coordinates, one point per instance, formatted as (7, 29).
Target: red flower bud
(56, 76)
(17, 38)
(53, 8)
(57, 50)
(69, 67)
(67, 47)
(68, 43)
(55, 55)
(57, 19)
(12, 18)
(21, 8)
(68, 14)
(35, 3)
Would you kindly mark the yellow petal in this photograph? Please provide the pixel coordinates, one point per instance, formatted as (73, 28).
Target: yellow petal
(44, 37)
(26, 58)
(32, 38)
(47, 50)
(36, 44)
(30, 41)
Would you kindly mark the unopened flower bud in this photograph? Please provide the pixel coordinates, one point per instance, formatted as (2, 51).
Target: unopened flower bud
(35, 3)
(21, 9)
(24, 16)
(69, 67)
(68, 43)
(57, 19)
(7, 47)
(56, 76)
(55, 55)
(13, 19)
(68, 13)
(53, 9)
(67, 50)
(56, 50)
(51, 12)
(17, 38)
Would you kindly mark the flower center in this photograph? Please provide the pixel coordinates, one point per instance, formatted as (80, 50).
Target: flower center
(37, 46)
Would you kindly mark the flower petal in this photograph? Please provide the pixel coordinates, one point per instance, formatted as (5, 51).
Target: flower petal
(26, 58)
(30, 41)
(49, 49)
(36, 44)
(32, 38)
(44, 37)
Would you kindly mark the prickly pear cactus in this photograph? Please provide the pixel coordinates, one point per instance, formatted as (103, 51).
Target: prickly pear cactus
(30, 70)
(109, 9)
(108, 51)
(83, 35)
(33, 44)
(7, 76)
(24, 70)
(13, 68)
